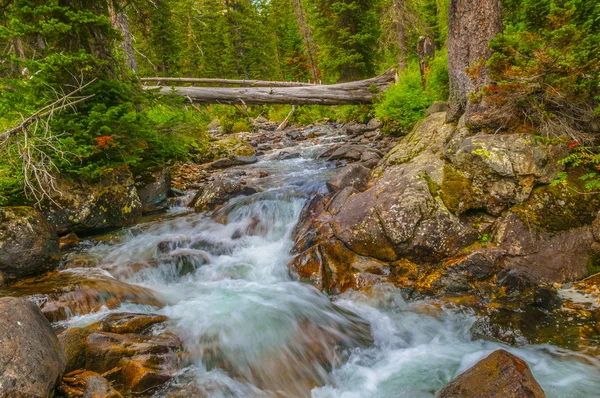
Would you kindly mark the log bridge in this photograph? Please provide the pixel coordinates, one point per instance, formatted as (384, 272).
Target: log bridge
(259, 92)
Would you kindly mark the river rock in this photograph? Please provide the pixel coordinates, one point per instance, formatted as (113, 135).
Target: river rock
(83, 207)
(28, 244)
(87, 384)
(232, 161)
(140, 363)
(354, 175)
(218, 192)
(153, 189)
(501, 374)
(379, 234)
(32, 361)
(437, 106)
(62, 295)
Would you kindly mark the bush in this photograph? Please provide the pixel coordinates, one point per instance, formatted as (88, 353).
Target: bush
(401, 106)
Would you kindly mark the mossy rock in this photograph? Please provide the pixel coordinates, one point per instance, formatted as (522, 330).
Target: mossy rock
(559, 207)
(457, 191)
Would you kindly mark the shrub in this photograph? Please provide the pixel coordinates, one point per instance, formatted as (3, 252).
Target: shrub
(401, 106)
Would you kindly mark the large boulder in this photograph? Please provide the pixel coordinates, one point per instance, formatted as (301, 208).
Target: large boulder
(496, 171)
(84, 207)
(32, 361)
(28, 244)
(501, 374)
(218, 192)
(353, 175)
(153, 188)
(352, 239)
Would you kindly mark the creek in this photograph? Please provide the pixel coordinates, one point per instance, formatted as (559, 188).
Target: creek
(249, 329)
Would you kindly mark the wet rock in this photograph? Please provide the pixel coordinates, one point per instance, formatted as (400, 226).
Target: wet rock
(546, 298)
(283, 155)
(69, 241)
(87, 384)
(399, 218)
(153, 189)
(28, 244)
(141, 363)
(64, 294)
(32, 361)
(127, 322)
(218, 192)
(232, 161)
(501, 374)
(73, 342)
(113, 202)
(354, 175)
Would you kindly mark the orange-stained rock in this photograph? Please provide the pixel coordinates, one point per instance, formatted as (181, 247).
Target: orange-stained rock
(64, 294)
(69, 241)
(501, 374)
(143, 373)
(126, 322)
(87, 384)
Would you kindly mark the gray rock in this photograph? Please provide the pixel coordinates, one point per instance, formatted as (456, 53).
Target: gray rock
(153, 189)
(437, 106)
(354, 175)
(32, 360)
(232, 161)
(29, 246)
(218, 192)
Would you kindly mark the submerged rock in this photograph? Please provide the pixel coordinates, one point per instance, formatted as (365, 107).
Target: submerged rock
(501, 374)
(83, 207)
(28, 244)
(62, 295)
(32, 361)
(87, 384)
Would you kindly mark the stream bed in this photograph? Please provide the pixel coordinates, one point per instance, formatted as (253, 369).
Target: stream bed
(249, 329)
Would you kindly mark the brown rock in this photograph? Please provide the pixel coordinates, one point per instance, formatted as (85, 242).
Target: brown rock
(501, 374)
(153, 188)
(32, 361)
(64, 294)
(218, 192)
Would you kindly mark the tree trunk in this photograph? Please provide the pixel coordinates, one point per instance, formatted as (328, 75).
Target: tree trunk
(360, 92)
(120, 22)
(426, 52)
(399, 17)
(226, 82)
(471, 26)
(307, 38)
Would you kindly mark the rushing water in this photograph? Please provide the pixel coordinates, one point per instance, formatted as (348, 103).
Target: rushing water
(250, 330)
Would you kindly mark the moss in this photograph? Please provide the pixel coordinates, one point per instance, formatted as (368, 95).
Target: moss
(560, 207)
(434, 188)
(456, 190)
(593, 264)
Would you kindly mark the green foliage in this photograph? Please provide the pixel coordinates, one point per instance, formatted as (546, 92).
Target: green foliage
(546, 68)
(404, 104)
(347, 32)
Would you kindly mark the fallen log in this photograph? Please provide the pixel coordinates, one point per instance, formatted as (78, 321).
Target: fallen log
(358, 92)
(226, 82)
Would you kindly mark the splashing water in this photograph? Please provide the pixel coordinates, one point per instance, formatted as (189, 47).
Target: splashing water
(249, 330)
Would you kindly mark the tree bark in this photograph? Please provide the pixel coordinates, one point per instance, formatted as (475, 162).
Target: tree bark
(426, 52)
(359, 92)
(399, 17)
(226, 82)
(120, 22)
(307, 38)
(471, 26)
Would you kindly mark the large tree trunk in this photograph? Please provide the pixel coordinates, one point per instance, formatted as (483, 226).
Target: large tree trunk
(400, 20)
(360, 92)
(120, 22)
(307, 38)
(471, 26)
